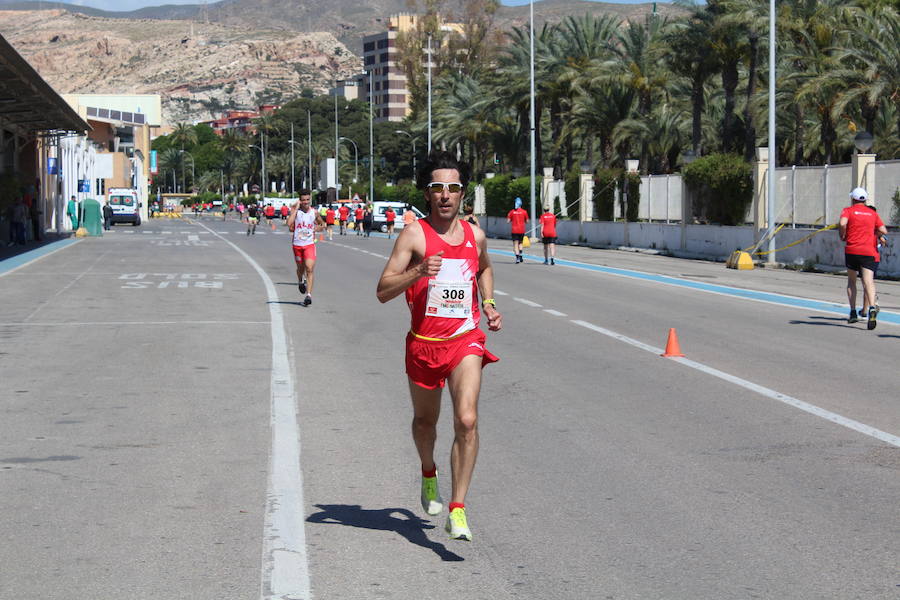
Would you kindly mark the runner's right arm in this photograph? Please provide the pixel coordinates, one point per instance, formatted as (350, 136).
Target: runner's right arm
(403, 267)
(293, 216)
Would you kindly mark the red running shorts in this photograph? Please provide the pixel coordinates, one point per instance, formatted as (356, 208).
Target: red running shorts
(307, 252)
(429, 363)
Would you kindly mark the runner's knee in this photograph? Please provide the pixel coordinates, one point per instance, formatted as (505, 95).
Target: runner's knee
(466, 423)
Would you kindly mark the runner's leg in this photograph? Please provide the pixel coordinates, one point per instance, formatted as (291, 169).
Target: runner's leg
(851, 288)
(309, 264)
(868, 279)
(465, 386)
(426, 411)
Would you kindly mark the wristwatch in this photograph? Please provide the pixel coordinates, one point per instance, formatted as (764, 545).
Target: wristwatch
(489, 301)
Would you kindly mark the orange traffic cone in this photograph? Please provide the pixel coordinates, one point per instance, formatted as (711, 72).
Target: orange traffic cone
(321, 237)
(672, 347)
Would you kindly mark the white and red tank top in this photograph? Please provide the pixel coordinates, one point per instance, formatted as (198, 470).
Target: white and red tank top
(304, 228)
(446, 305)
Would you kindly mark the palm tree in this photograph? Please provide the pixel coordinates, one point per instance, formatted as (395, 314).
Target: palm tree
(183, 135)
(689, 54)
(636, 64)
(234, 143)
(171, 159)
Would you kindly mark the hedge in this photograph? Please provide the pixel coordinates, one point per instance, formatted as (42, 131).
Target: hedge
(605, 181)
(722, 188)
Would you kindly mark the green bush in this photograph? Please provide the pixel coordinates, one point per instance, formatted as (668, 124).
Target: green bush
(495, 193)
(895, 213)
(722, 188)
(605, 181)
(633, 183)
(573, 191)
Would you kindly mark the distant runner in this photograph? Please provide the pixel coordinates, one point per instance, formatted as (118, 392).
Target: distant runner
(389, 217)
(858, 227)
(305, 222)
(343, 215)
(548, 235)
(329, 223)
(517, 218)
(252, 218)
(359, 214)
(441, 264)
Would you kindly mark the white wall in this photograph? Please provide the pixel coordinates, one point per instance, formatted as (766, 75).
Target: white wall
(712, 242)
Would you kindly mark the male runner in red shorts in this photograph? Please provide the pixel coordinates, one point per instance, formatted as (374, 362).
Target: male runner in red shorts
(442, 264)
(304, 222)
(344, 216)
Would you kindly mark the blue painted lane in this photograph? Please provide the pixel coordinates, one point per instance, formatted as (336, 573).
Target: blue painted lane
(805, 303)
(12, 263)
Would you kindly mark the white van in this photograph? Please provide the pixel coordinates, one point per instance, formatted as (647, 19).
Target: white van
(125, 205)
(380, 223)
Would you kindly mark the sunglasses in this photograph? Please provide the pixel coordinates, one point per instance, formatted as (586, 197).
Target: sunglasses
(436, 187)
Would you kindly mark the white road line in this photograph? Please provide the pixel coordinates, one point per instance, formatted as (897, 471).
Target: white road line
(285, 566)
(753, 387)
(526, 302)
(193, 238)
(120, 323)
(555, 313)
(499, 293)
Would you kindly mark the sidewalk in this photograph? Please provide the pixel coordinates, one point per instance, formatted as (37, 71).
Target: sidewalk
(12, 257)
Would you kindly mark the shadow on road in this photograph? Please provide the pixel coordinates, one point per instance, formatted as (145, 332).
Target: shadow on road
(829, 321)
(299, 303)
(382, 519)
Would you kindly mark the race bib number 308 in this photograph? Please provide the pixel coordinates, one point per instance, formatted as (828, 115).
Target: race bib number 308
(449, 299)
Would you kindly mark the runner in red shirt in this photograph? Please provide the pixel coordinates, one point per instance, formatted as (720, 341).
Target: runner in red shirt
(358, 216)
(517, 218)
(284, 212)
(389, 217)
(344, 214)
(548, 235)
(441, 264)
(858, 225)
(329, 222)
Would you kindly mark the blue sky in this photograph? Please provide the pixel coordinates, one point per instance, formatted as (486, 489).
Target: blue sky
(124, 5)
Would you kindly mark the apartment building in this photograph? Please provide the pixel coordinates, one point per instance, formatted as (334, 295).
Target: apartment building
(381, 61)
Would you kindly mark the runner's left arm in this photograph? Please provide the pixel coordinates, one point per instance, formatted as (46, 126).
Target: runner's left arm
(485, 277)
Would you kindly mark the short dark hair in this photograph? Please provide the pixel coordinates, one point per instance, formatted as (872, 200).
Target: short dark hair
(304, 192)
(441, 159)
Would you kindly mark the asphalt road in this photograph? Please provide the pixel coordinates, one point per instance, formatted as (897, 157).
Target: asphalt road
(136, 452)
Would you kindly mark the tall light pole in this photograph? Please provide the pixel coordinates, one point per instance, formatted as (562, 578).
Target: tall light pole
(371, 138)
(309, 182)
(337, 162)
(193, 181)
(770, 193)
(292, 160)
(429, 93)
(355, 158)
(531, 140)
(414, 151)
(263, 171)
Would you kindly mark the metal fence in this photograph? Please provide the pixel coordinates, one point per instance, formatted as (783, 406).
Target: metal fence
(883, 178)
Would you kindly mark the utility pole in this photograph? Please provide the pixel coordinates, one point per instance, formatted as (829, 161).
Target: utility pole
(371, 139)
(429, 93)
(309, 182)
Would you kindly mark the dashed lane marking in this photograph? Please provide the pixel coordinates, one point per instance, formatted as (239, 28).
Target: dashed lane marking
(753, 387)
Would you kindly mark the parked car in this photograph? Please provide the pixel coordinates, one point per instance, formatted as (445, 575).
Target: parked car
(379, 222)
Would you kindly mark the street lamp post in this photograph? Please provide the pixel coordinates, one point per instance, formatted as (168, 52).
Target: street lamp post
(262, 172)
(531, 113)
(355, 158)
(429, 93)
(193, 180)
(414, 151)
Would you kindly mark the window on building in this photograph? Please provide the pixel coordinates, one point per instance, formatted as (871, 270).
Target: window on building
(383, 57)
(370, 60)
(368, 46)
(383, 44)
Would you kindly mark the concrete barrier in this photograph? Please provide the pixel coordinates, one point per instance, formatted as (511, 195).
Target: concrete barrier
(712, 242)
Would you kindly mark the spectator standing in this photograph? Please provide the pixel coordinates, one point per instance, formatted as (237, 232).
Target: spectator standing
(107, 216)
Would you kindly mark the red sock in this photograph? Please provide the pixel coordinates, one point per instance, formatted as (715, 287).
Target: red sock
(431, 473)
(456, 505)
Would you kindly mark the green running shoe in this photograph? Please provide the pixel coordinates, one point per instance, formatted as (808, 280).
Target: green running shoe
(457, 526)
(431, 497)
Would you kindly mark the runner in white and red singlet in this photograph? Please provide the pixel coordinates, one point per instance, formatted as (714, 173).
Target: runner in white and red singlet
(441, 264)
(304, 223)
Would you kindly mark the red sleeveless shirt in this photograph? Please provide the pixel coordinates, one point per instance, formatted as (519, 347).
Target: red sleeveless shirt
(446, 305)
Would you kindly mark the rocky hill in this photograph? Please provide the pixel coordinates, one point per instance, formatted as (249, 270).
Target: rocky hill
(233, 53)
(348, 20)
(199, 69)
